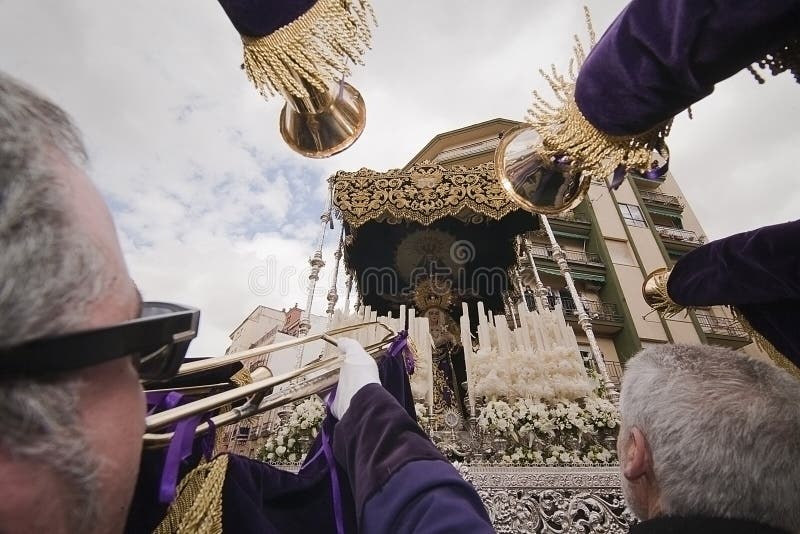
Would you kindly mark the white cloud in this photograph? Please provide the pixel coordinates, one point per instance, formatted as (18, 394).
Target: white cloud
(205, 191)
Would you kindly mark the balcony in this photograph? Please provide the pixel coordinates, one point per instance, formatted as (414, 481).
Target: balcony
(570, 216)
(680, 236)
(463, 151)
(572, 256)
(605, 317)
(614, 371)
(723, 330)
(660, 199)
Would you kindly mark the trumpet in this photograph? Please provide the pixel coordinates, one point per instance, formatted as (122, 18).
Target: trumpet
(534, 181)
(323, 123)
(259, 396)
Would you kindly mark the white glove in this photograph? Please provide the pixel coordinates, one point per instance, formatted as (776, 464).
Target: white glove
(358, 370)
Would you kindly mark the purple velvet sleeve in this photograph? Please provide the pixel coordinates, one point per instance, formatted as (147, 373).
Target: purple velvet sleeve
(257, 18)
(375, 440)
(756, 271)
(659, 57)
(756, 267)
(426, 496)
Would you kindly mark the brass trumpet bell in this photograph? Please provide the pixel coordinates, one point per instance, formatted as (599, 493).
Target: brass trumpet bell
(654, 287)
(324, 123)
(654, 291)
(534, 181)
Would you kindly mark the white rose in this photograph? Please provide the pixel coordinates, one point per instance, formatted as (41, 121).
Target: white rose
(280, 451)
(293, 457)
(291, 442)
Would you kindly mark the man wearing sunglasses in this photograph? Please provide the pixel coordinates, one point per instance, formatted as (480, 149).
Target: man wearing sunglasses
(73, 330)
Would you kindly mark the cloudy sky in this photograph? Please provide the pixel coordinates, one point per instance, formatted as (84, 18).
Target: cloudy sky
(208, 199)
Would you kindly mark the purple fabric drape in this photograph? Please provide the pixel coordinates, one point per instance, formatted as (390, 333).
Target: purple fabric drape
(658, 58)
(756, 271)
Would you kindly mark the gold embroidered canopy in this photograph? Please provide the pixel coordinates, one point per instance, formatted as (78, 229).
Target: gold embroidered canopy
(423, 193)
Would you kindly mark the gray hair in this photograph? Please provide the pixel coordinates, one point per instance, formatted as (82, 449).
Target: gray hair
(723, 429)
(49, 275)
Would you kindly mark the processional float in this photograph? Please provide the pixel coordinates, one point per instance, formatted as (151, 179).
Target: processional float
(301, 50)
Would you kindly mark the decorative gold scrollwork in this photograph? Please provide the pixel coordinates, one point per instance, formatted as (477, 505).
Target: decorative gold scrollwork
(423, 193)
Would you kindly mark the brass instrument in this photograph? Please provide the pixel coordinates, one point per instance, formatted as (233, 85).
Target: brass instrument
(318, 377)
(534, 181)
(654, 286)
(654, 291)
(323, 123)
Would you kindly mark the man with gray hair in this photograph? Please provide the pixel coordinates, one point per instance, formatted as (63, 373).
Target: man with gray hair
(709, 442)
(75, 337)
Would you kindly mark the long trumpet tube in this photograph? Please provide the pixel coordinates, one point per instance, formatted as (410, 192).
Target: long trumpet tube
(226, 397)
(318, 384)
(212, 363)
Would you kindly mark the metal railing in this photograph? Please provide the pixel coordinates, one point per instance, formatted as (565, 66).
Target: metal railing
(595, 309)
(614, 371)
(467, 150)
(570, 216)
(573, 256)
(723, 326)
(656, 197)
(678, 234)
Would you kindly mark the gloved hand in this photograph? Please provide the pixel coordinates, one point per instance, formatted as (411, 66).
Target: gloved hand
(358, 370)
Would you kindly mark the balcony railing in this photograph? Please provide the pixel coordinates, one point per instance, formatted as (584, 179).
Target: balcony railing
(654, 197)
(614, 371)
(467, 150)
(678, 234)
(722, 326)
(596, 310)
(573, 256)
(570, 216)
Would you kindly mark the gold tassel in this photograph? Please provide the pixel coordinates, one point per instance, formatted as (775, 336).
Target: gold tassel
(763, 343)
(242, 377)
(566, 132)
(198, 507)
(314, 48)
(661, 302)
(786, 57)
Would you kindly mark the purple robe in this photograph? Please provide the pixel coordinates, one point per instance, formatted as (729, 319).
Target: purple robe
(756, 271)
(391, 477)
(658, 58)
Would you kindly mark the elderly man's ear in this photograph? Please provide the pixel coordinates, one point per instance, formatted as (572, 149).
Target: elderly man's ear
(636, 460)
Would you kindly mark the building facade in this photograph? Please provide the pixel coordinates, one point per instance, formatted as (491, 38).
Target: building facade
(264, 326)
(612, 241)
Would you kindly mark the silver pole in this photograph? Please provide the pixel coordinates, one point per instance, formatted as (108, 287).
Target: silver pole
(540, 293)
(583, 318)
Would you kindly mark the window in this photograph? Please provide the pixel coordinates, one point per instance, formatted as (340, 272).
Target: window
(632, 215)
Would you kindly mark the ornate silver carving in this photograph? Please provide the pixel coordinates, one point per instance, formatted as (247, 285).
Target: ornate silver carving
(550, 500)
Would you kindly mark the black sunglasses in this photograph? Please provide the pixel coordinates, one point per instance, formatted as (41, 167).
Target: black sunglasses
(158, 341)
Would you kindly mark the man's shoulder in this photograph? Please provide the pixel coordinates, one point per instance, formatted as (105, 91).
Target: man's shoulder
(702, 525)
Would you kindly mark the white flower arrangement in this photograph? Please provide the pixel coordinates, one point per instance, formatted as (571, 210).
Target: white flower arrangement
(496, 416)
(562, 433)
(290, 443)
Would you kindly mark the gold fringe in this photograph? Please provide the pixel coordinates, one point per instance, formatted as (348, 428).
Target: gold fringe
(763, 343)
(661, 302)
(566, 132)
(314, 48)
(242, 377)
(198, 507)
(786, 57)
